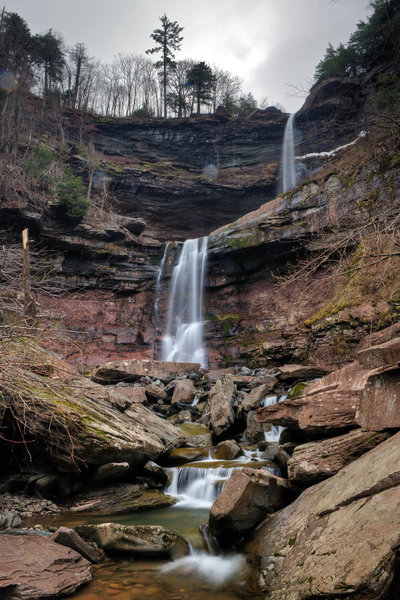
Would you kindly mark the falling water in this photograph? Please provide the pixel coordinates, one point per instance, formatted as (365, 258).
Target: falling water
(197, 487)
(183, 340)
(288, 166)
(274, 433)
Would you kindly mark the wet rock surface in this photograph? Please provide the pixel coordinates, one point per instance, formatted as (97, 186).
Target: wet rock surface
(140, 541)
(32, 566)
(320, 545)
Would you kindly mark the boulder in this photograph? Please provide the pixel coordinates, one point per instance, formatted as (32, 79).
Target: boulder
(220, 401)
(132, 394)
(248, 496)
(380, 356)
(254, 430)
(184, 392)
(319, 414)
(318, 460)
(136, 540)
(110, 472)
(155, 391)
(77, 427)
(180, 456)
(227, 450)
(380, 402)
(294, 372)
(117, 499)
(69, 538)
(35, 567)
(255, 397)
(339, 539)
(133, 370)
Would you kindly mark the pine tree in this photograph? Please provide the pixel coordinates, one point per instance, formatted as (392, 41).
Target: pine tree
(168, 40)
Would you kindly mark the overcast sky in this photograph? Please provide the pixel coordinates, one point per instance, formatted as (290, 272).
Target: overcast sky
(268, 43)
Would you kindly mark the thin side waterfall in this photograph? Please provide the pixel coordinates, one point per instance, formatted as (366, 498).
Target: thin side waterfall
(183, 340)
(288, 166)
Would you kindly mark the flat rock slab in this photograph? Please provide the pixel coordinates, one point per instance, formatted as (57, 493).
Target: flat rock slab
(339, 539)
(292, 372)
(132, 370)
(380, 356)
(380, 402)
(315, 461)
(136, 540)
(318, 414)
(35, 567)
(119, 499)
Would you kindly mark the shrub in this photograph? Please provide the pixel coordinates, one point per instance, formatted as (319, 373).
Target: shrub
(71, 194)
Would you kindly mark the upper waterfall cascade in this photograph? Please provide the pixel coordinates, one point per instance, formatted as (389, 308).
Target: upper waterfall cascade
(288, 165)
(183, 339)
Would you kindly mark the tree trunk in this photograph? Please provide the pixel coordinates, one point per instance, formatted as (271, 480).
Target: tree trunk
(29, 301)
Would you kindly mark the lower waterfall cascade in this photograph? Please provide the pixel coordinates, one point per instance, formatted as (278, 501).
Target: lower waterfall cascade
(183, 339)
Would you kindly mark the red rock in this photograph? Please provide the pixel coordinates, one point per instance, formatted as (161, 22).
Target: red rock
(291, 372)
(339, 539)
(132, 370)
(380, 402)
(220, 400)
(381, 356)
(318, 460)
(184, 391)
(248, 496)
(69, 538)
(36, 567)
(132, 394)
(320, 414)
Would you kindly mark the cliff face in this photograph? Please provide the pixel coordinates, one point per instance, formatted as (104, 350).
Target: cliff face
(188, 176)
(184, 178)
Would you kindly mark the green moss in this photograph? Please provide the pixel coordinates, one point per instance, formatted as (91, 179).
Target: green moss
(292, 541)
(297, 390)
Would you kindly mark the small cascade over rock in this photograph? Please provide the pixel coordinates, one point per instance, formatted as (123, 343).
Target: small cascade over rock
(274, 433)
(288, 165)
(183, 340)
(197, 487)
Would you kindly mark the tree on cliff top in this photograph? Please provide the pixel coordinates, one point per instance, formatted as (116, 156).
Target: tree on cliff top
(168, 40)
(201, 78)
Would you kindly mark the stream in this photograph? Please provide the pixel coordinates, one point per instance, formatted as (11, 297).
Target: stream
(200, 575)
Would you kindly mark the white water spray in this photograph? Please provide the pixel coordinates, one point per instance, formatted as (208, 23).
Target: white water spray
(183, 340)
(197, 487)
(288, 166)
(274, 433)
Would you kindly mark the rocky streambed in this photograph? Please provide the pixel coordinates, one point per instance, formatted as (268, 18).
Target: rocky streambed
(161, 449)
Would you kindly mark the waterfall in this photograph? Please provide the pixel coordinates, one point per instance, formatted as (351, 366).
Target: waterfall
(288, 166)
(183, 340)
(274, 433)
(156, 312)
(197, 487)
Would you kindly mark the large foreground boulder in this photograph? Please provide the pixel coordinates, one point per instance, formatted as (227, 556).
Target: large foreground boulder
(75, 423)
(248, 496)
(136, 540)
(34, 567)
(340, 538)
